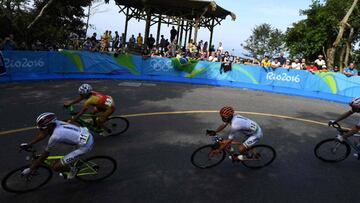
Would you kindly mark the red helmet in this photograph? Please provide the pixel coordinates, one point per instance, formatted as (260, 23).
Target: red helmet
(227, 111)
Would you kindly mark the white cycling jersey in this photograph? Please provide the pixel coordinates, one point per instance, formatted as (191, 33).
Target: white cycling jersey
(246, 126)
(70, 134)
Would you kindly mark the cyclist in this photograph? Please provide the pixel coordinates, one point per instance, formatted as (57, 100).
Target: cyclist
(59, 132)
(355, 108)
(100, 102)
(237, 124)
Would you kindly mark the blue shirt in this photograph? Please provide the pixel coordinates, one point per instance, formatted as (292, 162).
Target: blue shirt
(353, 71)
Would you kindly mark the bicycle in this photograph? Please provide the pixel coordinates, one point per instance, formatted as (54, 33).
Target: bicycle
(333, 150)
(116, 124)
(207, 156)
(91, 169)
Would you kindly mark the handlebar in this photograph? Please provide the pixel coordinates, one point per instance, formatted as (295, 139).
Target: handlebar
(338, 127)
(71, 109)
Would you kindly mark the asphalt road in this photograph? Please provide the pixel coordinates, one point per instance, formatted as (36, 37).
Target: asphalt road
(153, 156)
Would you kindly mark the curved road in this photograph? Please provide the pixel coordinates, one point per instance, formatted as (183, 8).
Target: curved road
(167, 124)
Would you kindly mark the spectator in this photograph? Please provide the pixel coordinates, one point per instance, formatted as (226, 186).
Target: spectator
(287, 64)
(350, 71)
(93, 38)
(162, 43)
(311, 68)
(237, 60)
(266, 62)
(115, 44)
(324, 69)
(282, 59)
(212, 48)
(132, 41)
(9, 43)
(225, 63)
(151, 42)
(139, 40)
(87, 45)
(320, 62)
(172, 48)
(336, 69)
(105, 41)
(275, 63)
(205, 47)
(213, 57)
(296, 64)
(303, 64)
(220, 48)
(190, 46)
(173, 34)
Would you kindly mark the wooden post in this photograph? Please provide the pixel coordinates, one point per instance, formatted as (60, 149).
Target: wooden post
(126, 24)
(211, 32)
(147, 26)
(181, 33)
(186, 33)
(158, 30)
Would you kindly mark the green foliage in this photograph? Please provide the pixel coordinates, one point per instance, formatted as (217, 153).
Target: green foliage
(309, 37)
(264, 39)
(60, 19)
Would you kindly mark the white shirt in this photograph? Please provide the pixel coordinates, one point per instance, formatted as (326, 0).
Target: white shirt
(67, 133)
(243, 125)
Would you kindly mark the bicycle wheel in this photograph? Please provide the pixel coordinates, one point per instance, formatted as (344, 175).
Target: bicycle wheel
(259, 156)
(206, 157)
(117, 125)
(18, 183)
(96, 168)
(331, 150)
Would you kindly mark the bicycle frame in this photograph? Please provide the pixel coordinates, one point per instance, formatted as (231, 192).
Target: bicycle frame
(87, 119)
(347, 140)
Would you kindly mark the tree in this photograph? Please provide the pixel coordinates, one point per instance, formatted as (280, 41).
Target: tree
(317, 33)
(264, 39)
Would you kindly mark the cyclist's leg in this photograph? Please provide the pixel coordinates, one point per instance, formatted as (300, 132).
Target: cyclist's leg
(63, 164)
(104, 116)
(250, 141)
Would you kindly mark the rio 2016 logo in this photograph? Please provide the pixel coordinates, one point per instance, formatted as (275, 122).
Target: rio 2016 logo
(161, 65)
(283, 77)
(24, 63)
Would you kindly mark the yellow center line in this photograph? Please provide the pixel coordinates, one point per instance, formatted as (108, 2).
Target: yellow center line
(190, 112)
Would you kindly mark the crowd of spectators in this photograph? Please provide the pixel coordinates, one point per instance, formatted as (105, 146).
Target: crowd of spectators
(200, 50)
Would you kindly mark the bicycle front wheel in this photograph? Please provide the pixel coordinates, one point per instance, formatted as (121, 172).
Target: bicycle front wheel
(332, 150)
(117, 125)
(259, 156)
(207, 156)
(96, 168)
(18, 183)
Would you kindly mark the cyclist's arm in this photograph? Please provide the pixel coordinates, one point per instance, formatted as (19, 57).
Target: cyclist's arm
(73, 102)
(39, 137)
(343, 116)
(36, 163)
(221, 127)
(81, 112)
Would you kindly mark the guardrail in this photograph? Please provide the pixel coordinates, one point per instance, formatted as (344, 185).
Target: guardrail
(26, 65)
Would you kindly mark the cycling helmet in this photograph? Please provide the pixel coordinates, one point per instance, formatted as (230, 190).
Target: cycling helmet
(226, 111)
(355, 104)
(85, 89)
(45, 119)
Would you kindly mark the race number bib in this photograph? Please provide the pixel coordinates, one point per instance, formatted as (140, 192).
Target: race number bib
(109, 102)
(84, 136)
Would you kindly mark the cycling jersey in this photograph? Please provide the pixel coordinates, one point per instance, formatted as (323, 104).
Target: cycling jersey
(246, 126)
(99, 100)
(70, 134)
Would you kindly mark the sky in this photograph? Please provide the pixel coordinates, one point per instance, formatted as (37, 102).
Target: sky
(249, 13)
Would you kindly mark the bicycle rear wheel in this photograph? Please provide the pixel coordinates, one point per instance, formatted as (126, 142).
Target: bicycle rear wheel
(18, 183)
(259, 156)
(206, 156)
(331, 150)
(96, 168)
(117, 125)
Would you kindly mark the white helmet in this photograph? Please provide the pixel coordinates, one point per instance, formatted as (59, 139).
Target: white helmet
(355, 104)
(85, 89)
(45, 119)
